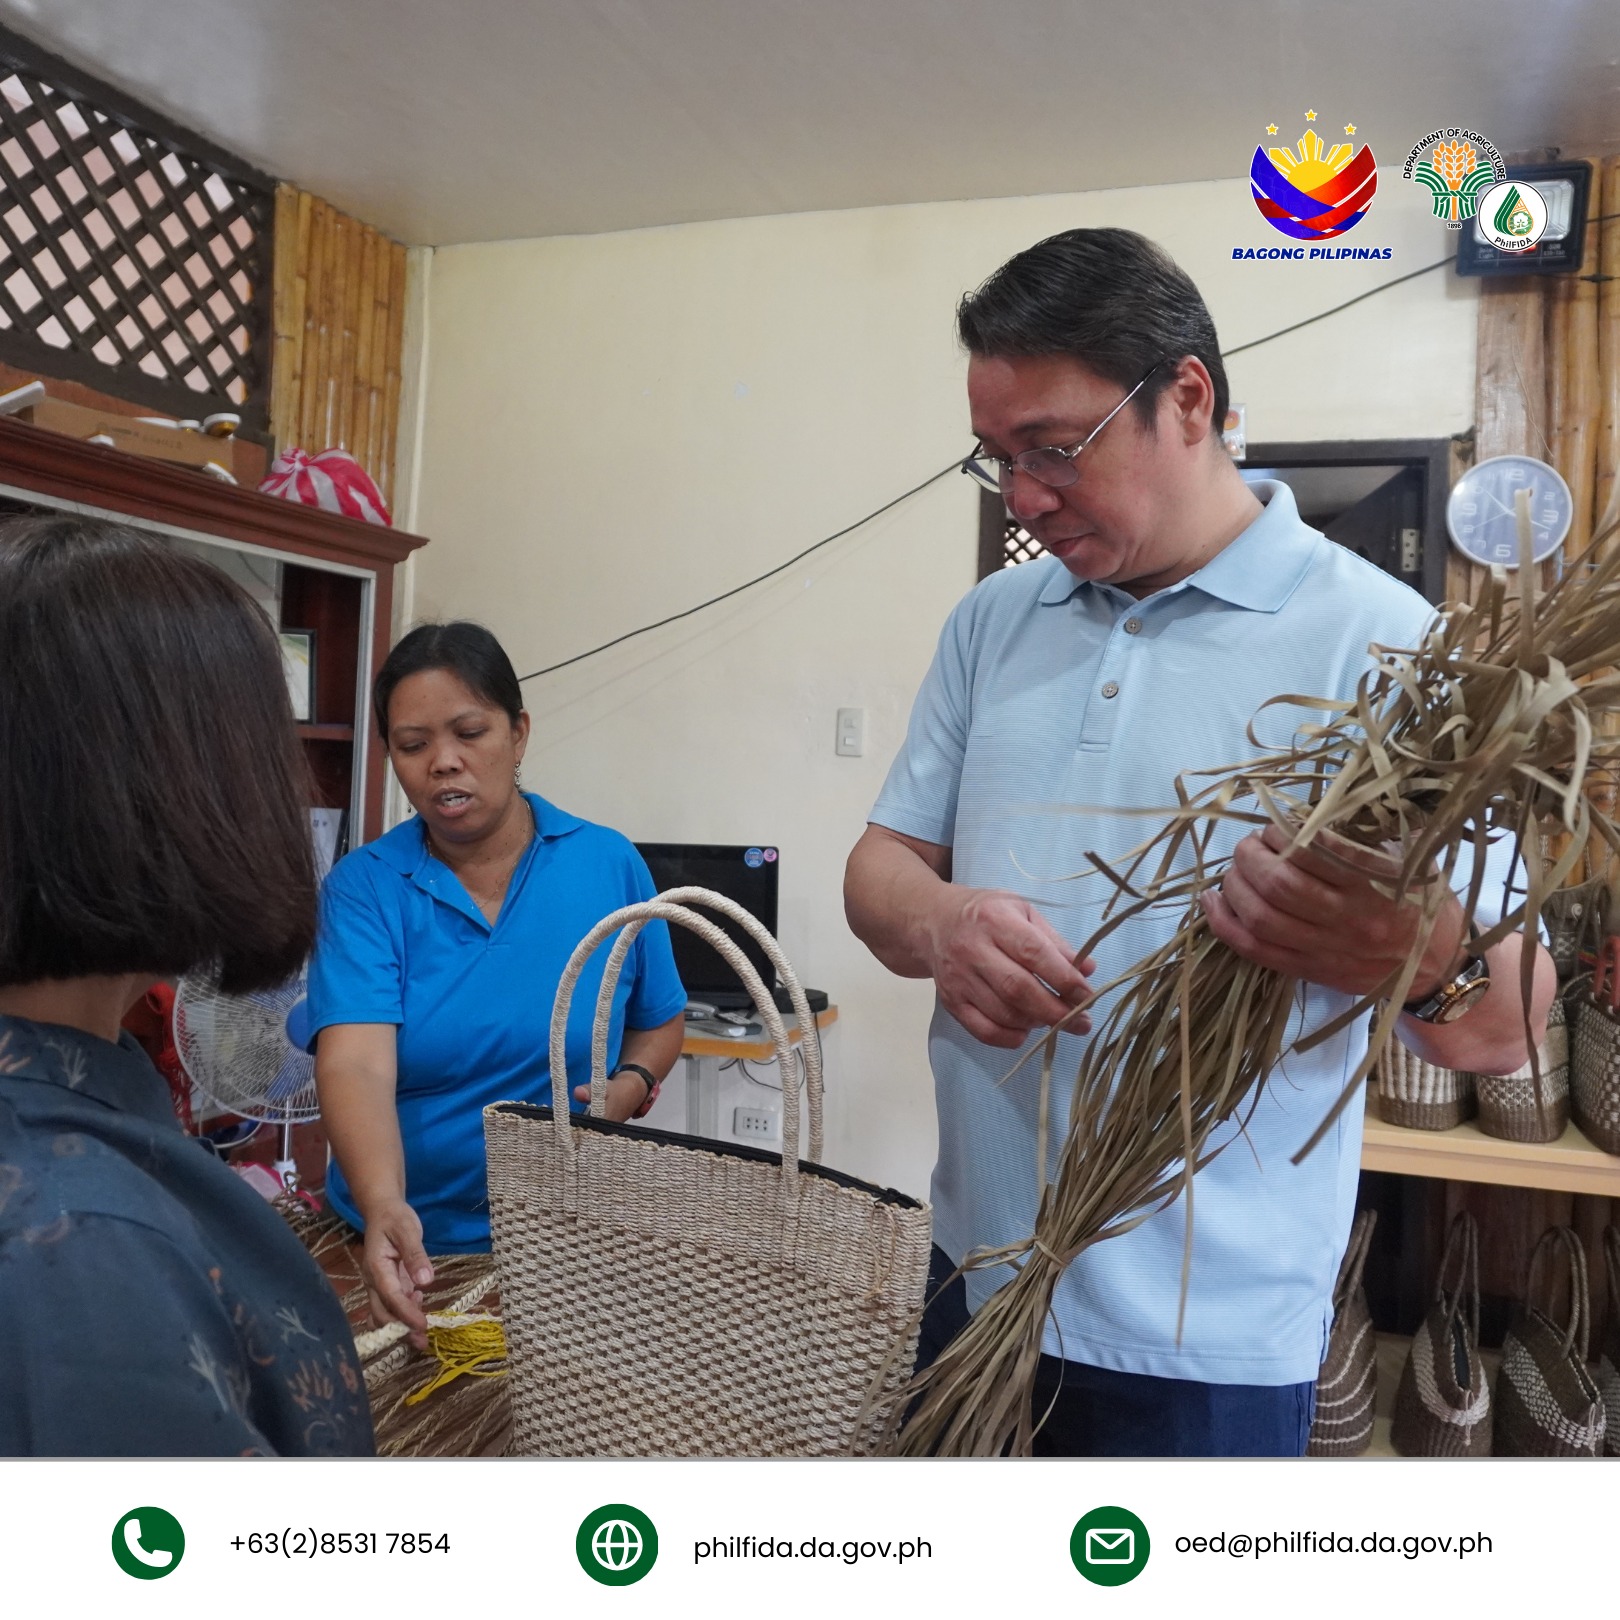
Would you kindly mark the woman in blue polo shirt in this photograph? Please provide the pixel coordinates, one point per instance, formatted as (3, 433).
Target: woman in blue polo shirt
(440, 948)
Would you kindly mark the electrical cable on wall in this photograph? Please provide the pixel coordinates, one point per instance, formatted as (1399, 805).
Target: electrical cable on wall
(934, 478)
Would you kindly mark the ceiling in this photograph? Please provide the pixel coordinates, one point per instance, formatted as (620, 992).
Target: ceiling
(474, 120)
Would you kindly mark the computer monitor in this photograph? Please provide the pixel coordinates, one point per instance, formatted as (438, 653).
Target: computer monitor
(746, 873)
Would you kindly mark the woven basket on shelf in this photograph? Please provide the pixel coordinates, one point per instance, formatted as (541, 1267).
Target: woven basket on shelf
(667, 1296)
(1609, 1354)
(1574, 918)
(1595, 1070)
(1546, 1402)
(1419, 1095)
(1348, 1381)
(1518, 1109)
(1443, 1404)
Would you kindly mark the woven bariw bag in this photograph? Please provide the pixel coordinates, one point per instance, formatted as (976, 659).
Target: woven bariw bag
(1443, 1405)
(1348, 1381)
(1546, 1402)
(1419, 1095)
(667, 1296)
(1520, 1108)
(1594, 1080)
(1609, 1355)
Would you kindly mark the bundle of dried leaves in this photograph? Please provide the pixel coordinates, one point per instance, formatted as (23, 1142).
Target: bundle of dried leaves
(1485, 731)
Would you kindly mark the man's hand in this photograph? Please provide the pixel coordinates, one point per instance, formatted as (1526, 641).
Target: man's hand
(1315, 915)
(396, 1268)
(1001, 968)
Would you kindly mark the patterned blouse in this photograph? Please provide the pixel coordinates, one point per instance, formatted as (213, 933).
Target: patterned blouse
(154, 1304)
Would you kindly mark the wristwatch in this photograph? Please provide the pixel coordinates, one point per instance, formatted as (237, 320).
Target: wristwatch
(646, 1075)
(1456, 995)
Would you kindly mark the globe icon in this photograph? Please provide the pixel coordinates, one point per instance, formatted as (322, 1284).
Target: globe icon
(616, 1544)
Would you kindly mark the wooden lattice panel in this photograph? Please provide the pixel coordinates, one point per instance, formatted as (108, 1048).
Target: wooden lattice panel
(127, 259)
(1018, 546)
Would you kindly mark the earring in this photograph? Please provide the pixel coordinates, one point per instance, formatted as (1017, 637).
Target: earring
(517, 776)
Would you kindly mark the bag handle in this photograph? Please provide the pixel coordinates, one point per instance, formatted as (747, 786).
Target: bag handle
(809, 1035)
(809, 1029)
(632, 919)
(1611, 1260)
(1580, 1302)
(1461, 1255)
(1355, 1259)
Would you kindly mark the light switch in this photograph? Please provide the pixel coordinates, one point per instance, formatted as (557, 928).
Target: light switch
(851, 740)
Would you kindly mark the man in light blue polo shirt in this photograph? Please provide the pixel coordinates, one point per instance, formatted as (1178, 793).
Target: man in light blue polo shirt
(1176, 600)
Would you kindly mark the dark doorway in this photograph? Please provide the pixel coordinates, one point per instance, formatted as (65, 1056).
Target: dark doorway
(1384, 499)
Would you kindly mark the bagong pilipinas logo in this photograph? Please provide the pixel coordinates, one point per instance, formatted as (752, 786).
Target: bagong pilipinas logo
(1457, 166)
(1313, 192)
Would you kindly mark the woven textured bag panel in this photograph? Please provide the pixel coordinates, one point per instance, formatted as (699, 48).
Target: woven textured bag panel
(1348, 1382)
(662, 1301)
(1608, 1379)
(1571, 917)
(1595, 1073)
(1608, 1382)
(1546, 1402)
(1435, 1414)
(1545, 1406)
(1513, 1106)
(1420, 1095)
(1443, 1403)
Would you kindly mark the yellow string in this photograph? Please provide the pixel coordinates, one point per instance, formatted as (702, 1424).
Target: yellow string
(463, 1345)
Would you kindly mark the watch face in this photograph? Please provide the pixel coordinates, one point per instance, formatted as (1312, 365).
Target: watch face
(1468, 997)
(1480, 512)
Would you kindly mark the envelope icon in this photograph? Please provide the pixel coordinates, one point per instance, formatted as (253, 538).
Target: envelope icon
(1110, 1546)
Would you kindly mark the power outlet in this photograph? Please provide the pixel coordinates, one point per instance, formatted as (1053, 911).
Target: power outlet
(755, 1124)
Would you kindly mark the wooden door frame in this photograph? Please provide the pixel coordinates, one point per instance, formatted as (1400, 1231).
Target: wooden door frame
(1432, 455)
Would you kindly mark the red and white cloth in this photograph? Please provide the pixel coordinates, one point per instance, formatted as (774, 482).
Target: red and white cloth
(333, 480)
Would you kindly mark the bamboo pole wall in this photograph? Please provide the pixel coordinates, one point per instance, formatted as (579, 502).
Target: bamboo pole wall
(1607, 479)
(1510, 391)
(339, 327)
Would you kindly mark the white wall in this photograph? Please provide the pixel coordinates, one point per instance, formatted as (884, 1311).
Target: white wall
(617, 427)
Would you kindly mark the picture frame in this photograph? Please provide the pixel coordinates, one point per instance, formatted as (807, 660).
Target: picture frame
(298, 666)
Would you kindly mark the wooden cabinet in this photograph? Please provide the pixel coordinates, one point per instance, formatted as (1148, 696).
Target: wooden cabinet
(316, 570)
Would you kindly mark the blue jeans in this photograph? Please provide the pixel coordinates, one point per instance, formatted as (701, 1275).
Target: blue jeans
(1100, 1413)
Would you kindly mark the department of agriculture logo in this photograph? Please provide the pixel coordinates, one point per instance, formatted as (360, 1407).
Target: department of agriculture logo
(1313, 191)
(616, 1544)
(1456, 165)
(1110, 1546)
(1512, 216)
(148, 1543)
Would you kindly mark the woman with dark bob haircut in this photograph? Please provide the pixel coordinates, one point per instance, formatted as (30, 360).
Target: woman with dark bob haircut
(440, 950)
(152, 821)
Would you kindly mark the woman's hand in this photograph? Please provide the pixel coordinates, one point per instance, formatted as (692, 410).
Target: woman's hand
(396, 1268)
(625, 1094)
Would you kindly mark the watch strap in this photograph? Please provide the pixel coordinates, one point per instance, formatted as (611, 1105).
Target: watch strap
(647, 1076)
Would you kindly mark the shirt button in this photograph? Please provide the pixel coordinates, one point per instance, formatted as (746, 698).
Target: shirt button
(1133, 627)
(1111, 689)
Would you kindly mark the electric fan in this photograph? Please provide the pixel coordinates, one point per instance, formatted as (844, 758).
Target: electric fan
(246, 1054)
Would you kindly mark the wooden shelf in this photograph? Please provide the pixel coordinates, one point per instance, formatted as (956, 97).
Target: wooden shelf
(325, 733)
(1466, 1153)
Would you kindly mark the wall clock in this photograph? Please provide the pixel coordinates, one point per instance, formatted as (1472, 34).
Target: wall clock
(1479, 513)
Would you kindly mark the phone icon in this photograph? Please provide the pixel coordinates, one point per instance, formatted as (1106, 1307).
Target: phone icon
(161, 1559)
(148, 1543)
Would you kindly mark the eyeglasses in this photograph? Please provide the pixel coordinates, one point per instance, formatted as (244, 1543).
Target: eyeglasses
(1047, 465)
